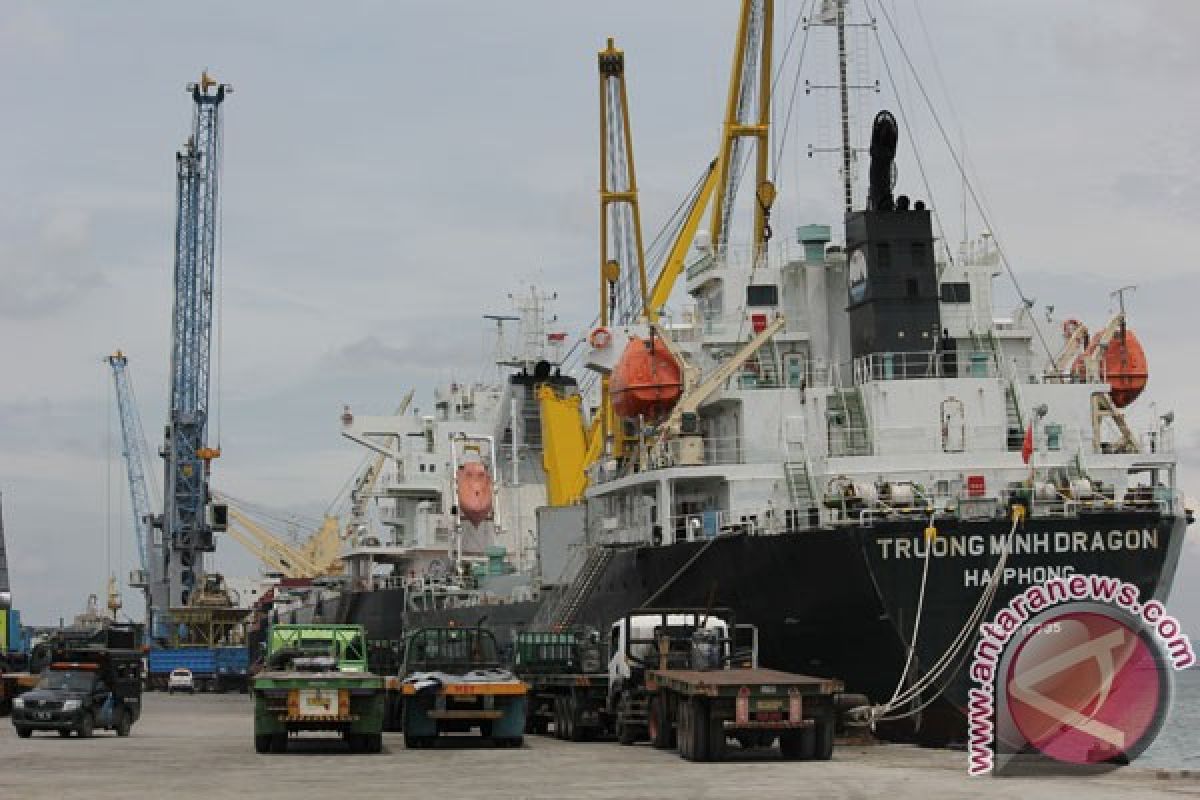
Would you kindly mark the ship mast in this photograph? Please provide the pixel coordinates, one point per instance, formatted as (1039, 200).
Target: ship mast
(844, 94)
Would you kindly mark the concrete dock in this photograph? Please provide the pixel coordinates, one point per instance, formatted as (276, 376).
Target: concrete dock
(185, 747)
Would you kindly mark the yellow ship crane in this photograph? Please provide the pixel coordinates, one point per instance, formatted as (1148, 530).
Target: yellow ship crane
(747, 116)
(622, 253)
(317, 557)
(570, 447)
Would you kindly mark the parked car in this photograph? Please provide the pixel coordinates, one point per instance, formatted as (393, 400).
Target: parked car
(181, 680)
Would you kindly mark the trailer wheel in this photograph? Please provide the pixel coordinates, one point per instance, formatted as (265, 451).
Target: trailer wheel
(575, 730)
(697, 730)
(279, 743)
(798, 744)
(558, 718)
(374, 742)
(262, 742)
(24, 732)
(685, 731)
(824, 739)
(658, 724)
(716, 735)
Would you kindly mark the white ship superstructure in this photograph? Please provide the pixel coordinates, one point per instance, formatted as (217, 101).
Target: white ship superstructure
(421, 537)
(807, 433)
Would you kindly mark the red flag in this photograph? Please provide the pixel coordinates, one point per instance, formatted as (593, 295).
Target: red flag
(1027, 445)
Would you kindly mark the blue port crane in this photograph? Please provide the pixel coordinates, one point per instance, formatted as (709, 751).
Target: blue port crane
(135, 454)
(189, 518)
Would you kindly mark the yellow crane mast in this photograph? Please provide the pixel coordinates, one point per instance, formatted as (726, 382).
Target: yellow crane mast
(571, 447)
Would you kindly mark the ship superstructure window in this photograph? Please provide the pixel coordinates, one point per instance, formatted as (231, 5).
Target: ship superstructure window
(766, 294)
(883, 255)
(956, 292)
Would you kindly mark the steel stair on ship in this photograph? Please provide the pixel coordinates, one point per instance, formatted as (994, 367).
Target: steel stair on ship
(579, 591)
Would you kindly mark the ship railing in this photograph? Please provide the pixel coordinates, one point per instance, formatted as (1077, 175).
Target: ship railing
(726, 450)
(896, 366)
(1161, 440)
(701, 525)
(742, 257)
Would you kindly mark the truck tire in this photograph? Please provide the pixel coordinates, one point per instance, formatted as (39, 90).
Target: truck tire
(123, 723)
(262, 742)
(279, 743)
(559, 717)
(824, 739)
(86, 726)
(575, 730)
(658, 724)
(24, 732)
(684, 731)
(798, 744)
(374, 742)
(417, 742)
(64, 732)
(716, 735)
(698, 740)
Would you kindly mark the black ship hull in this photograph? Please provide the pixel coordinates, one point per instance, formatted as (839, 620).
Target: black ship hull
(843, 602)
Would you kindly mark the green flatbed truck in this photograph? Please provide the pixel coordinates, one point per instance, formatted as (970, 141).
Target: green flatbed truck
(316, 679)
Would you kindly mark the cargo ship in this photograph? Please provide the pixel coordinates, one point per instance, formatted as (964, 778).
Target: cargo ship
(842, 441)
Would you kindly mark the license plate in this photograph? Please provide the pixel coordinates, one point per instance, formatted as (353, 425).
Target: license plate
(317, 703)
(41, 715)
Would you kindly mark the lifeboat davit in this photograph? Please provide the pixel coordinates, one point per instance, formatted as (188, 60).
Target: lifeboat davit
(647, 380)
(474, 492)
(1123, 367)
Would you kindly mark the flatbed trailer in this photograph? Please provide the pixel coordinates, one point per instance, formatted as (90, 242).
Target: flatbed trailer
(576, 705)
(700, 709)
(496, 708)
(454, 683)
(568, 687)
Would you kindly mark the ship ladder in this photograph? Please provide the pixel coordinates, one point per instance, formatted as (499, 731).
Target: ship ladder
(581, 589)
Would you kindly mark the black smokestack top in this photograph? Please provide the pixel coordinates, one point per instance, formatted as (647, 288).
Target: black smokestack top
(884, 135)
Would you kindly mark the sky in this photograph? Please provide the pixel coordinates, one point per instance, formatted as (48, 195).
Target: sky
(393, 170)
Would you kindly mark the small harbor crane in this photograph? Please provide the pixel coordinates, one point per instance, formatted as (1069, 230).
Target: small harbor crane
(133, 448)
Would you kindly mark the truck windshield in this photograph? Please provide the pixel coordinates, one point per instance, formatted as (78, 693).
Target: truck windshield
(66, 679)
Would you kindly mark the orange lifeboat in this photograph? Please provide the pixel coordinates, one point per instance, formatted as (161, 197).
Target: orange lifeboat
(1122, 365)
(647, 380)
(1125, 367)
(474, 492)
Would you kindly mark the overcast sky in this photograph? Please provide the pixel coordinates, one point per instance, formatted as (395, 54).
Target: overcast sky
(393, 169)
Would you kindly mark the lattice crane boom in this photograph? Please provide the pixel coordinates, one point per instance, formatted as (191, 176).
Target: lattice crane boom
(133, 448)
(187, 529)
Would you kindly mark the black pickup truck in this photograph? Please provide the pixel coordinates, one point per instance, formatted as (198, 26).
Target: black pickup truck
(88, 688)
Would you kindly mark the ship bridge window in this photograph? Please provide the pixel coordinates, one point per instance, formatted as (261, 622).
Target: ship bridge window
(956, 292)
(883, 256)
(766, 294)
